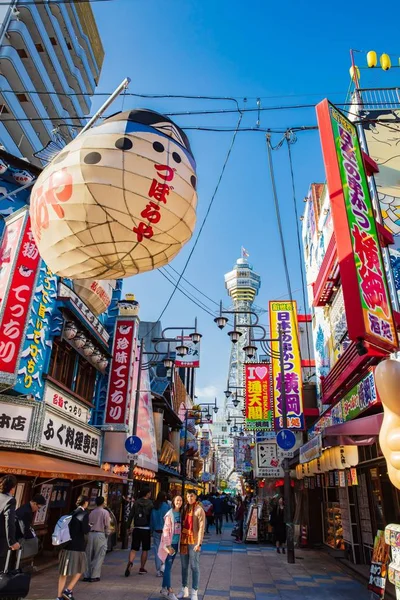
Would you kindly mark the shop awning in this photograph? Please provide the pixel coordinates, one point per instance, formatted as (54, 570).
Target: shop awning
(360, 432)
(38, 465)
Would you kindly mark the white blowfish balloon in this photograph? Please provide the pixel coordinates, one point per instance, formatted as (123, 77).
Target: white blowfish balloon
(118, 200)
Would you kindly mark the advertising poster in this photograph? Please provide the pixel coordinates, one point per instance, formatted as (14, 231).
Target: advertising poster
(40, 516)
(365, 287)
(192, 358)
(258, 397)
(283, 317)
(379, 566)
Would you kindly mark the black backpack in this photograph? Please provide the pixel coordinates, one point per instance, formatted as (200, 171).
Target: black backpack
(141, 515)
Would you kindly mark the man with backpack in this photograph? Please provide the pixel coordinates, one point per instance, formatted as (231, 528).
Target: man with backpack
(141, 536)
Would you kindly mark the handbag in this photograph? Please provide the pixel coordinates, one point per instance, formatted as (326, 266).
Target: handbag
(29, 547)
(14, 583)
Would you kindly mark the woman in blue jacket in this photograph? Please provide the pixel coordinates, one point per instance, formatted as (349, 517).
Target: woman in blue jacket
(161, 507)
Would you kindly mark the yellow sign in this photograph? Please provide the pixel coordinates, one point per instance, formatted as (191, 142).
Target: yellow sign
(283, 316)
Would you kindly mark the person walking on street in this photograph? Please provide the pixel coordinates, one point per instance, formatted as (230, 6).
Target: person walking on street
(239, 518)
(169, 545)
(161, 507)
(141, 536)
(209, 510)
(8, 534)
(193, 525)
(73, 557)
(277, 521)
(96, 548)
(225, 508)
(218, 512)
(231, 508)
(25, 516)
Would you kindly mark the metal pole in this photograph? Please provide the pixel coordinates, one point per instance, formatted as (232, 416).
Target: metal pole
(124, 533)
(184, 457)
(286, 489)
(122, 86)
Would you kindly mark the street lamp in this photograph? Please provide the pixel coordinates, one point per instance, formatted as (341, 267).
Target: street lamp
(235, 401)
(229, 420)
(228, 394)
(195, 337)
(254, 324)
(221, 321)
(250, 351)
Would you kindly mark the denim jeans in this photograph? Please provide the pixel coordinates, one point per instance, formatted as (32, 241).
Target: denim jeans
(157, 540)
(194, 559)
(169, 561)
(218, 523)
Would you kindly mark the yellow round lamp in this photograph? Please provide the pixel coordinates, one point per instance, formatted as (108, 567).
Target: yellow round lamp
(354, 72)
(118, 200)
(372, 59)
(385, 62)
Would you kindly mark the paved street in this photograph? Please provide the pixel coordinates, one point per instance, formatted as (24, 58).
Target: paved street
(228, 572)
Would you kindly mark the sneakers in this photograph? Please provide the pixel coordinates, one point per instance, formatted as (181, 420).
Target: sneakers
(184, 593)
(171, 596)
(68, 595)
(128, 569)
(160, 574)
(193, 595)
(164, 592)
(142, 571)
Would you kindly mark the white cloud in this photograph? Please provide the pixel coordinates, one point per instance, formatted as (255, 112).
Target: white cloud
(209, 391)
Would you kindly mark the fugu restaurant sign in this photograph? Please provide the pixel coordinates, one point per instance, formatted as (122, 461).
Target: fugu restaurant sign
(365, 290)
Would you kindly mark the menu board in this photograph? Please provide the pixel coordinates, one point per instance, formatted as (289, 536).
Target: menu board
(363, 507)
(345, 512)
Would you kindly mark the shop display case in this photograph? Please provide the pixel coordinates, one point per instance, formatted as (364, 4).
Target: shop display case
(334, 527)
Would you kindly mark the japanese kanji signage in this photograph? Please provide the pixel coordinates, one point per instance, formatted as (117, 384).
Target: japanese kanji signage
(192, 358)
(259, 411)
(65, 404)
(35, 348)
(66, 436)
(365, 290)
(17, 298)
(15, 422)
(268, 464)
(204, 447)
(283, 316)
(121, 372)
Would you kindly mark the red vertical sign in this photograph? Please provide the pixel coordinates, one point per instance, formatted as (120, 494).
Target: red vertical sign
(258, 396)
(121, 371)
(17, 301)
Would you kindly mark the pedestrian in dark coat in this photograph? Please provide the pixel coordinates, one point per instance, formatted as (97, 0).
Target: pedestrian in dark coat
(8, 534)
(277, 521)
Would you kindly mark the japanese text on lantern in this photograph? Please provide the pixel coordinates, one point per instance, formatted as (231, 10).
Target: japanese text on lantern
(362, 270)
(283, 316)
(16, 305)
(121, 372)
(258, 396)
(158, 192)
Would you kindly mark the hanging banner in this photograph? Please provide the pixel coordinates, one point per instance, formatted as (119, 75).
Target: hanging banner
(283, 316)
(119, 387)
(192, 358)
(204, 448)
(242, 454)
(17, 289)
(258, 397)
(379, 566)
(35, 347)
(362, 271)
(147, 457)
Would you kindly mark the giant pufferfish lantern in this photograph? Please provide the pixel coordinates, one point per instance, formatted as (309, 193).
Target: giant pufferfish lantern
(118, 200)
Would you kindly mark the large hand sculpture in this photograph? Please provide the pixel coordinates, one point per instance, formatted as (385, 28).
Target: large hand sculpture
(387, 378)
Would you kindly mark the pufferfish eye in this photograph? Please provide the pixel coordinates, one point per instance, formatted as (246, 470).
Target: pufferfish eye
(158, 147)
(123, 143)
(92, 158)
(193, 181)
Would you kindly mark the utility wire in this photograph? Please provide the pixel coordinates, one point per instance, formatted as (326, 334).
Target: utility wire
(193, 286)
(202, 306)
(204, 220)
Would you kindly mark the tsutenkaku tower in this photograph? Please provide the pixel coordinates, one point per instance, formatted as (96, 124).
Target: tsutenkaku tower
(242, 284)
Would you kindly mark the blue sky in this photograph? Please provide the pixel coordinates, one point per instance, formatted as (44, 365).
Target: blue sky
(285, 53)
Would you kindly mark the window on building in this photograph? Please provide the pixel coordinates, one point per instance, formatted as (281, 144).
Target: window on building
(3, 109)
(22, 53)
(53, 41)
(39, 47)
(22, 97)
(69, 45)
(85, 379)
(62, 363)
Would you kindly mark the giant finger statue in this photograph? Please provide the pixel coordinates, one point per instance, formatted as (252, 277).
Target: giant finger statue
(387, 378)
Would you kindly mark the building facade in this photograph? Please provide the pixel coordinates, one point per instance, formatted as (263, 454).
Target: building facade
(51, 57)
